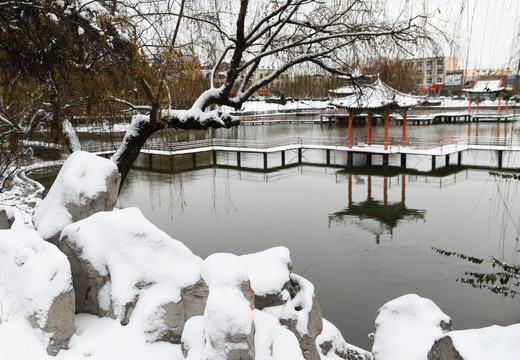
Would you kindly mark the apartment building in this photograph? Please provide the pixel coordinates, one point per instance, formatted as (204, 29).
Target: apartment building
(432, 70)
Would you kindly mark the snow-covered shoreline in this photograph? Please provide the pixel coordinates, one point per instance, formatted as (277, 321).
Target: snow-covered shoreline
(254, 298)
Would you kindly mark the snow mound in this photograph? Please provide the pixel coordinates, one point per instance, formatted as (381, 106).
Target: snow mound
(494, 342)
(124, 266)
(85, 185)
(35, 281)
(268, 270)
(334, 347)
(407, 327)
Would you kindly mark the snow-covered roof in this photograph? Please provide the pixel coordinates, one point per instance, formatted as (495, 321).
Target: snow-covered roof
(345, 90)
(378, 96)
(486, 86)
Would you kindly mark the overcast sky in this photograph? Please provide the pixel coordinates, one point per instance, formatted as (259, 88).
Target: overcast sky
(484, 30)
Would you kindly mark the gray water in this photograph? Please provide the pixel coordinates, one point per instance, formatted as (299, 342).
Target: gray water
(360, 245)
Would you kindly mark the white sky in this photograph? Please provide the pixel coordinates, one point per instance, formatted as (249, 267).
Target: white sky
(484, 30)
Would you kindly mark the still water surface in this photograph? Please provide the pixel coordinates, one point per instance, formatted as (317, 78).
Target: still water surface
(361, 239)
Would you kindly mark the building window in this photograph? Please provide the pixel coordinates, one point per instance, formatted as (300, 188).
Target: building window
(419, 72)
(428, 72)
(429, 63)
(419, 64)
(439, 80)
(439, 71)
(429, 80)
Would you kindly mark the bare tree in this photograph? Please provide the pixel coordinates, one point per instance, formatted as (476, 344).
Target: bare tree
(246, 36)
(147, 44)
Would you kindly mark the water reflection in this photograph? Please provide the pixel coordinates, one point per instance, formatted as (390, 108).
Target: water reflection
(386, 215)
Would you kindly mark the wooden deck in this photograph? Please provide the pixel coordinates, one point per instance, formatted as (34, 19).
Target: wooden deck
(445, 147)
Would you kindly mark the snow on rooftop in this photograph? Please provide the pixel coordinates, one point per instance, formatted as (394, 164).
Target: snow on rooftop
(486, 86)
(378, 96)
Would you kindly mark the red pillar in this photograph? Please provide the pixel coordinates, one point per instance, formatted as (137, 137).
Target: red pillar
(469, 104)
(350, 129)
(478, 104)
(404, 128)
(499, 103)
(386, 130)
(370, 129)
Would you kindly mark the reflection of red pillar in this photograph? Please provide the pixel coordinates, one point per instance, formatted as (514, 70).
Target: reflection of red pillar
(369, 190)
(386, 130)
(369, 129)
(385, 194)
(507, 105)
(478, 104)
(350, 129)
(403, 188)
(350, 191)
(469, 104)
(499, 103)
(476, 131)
(404, 128)
(498, 129)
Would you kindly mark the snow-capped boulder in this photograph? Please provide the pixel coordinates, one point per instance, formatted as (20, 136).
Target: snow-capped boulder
(269, 272)
(494, 342)
(125, 268)
(35, 288)
(228, 318)
(331, 343)
(406, 328)
(288, 297)
(6, 217)
(85, 185)
(300, 313)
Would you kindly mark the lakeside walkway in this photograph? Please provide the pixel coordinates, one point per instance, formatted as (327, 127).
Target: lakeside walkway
(434, 149)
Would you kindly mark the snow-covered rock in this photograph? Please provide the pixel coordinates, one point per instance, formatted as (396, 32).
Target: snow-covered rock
(229, 327)
(406, 328)
(269, 272)
(35, 290)
(86, 184)
(494, 342)
(6, 217)
(300, 313)
(124, 267)
(333, 346)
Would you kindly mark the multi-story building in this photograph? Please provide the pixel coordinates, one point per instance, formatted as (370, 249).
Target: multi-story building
(432, 70)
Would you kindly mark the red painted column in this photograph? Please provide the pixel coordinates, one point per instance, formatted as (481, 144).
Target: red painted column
(499, 103)
(469, 104)
(370, 129)
(478, 104)
(350, 129)
(386, 130)
(404, 127)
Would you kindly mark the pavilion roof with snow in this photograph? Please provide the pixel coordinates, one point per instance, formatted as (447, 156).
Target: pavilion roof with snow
(378, 96)
(486, 87)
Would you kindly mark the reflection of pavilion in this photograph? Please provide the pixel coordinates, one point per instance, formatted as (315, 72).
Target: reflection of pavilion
(386, 214)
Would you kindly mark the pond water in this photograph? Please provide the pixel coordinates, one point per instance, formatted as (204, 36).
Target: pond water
(362, 238)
